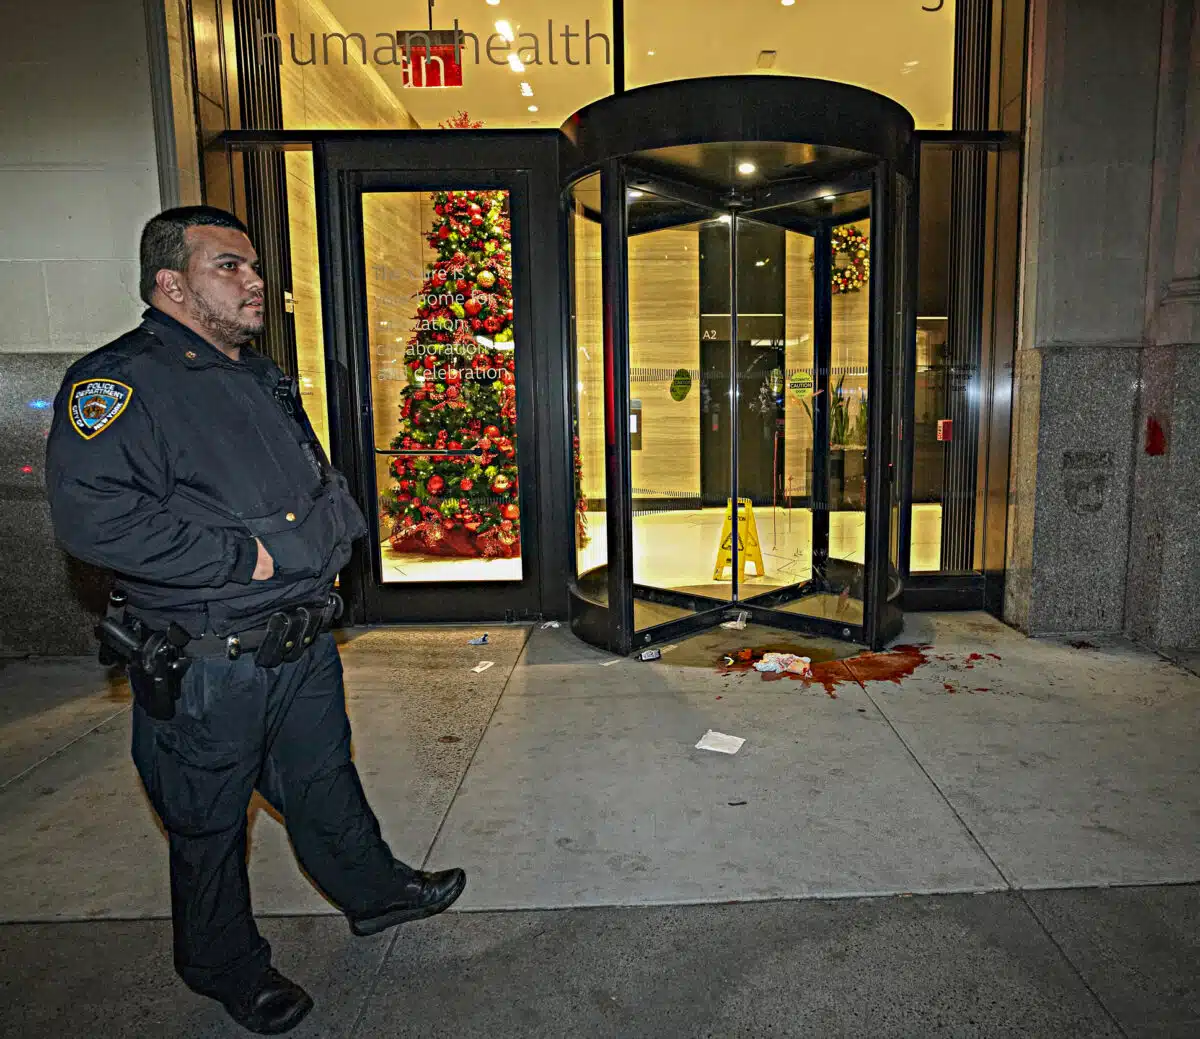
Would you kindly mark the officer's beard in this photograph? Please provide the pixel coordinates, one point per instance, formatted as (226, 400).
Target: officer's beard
(228, 330)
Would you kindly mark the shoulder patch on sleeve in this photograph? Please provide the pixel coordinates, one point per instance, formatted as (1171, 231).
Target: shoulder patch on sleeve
(96, 404)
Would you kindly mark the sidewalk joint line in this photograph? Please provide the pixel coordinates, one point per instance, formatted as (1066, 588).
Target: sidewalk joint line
(932, 782)
(65, 747)
(471, 761)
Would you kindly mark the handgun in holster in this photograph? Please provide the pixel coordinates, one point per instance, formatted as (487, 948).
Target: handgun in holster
(155, 659)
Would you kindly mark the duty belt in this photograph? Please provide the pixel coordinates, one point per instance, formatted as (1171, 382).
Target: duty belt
(281, 640)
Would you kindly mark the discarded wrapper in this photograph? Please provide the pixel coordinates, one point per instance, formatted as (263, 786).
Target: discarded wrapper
(650, 654)
(776, 663)
(719, 742)
(481, 641)
(551, 624)
(483, 666)
(739, 623)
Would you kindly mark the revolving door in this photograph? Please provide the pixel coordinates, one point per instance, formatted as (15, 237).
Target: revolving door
(740, 332)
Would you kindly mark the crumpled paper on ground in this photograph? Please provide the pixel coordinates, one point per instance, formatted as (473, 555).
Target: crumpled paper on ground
(776, 663)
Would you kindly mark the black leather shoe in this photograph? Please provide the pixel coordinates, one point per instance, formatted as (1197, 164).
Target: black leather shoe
(275, 1005)
(427, 894)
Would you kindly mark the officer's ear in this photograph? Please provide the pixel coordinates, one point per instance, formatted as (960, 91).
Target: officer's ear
(170, 284)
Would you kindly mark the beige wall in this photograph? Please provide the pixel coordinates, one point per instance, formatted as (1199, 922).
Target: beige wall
(78, 172)
(589, 355)
(664, 336)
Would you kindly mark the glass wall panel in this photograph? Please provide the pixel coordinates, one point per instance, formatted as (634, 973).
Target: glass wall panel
(442, 360)
(587, 343)
(907, 54)
(526, 63)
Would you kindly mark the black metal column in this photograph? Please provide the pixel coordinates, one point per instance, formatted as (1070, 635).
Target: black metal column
(735, 411)
(964, 329)
(879, 426)
(618, 488)
(822, 362)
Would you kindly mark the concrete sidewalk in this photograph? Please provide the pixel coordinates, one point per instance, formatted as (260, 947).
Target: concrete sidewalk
(995, 795)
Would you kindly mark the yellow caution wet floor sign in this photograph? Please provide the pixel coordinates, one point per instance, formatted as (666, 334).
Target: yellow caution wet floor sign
(747, 545)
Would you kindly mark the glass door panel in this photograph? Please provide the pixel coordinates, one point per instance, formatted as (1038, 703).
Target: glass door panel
(587, 345)
(679, 405)
(439, 301)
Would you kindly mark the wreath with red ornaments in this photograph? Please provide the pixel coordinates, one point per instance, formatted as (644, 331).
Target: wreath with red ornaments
(851, 251)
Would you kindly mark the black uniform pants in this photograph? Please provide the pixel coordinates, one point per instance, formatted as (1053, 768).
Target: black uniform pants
(283, 731)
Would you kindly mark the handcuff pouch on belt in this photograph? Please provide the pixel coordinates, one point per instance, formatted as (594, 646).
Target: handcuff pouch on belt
(289, 633)
(154, 658)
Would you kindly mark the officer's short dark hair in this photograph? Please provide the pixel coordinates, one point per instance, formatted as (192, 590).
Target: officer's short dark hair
(164, 240)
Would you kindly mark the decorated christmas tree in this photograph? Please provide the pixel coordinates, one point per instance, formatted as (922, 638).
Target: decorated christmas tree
(454, 491)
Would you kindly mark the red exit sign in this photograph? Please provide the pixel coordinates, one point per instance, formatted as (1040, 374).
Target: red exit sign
(945, 428)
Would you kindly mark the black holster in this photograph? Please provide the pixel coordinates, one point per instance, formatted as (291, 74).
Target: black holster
(154, 659)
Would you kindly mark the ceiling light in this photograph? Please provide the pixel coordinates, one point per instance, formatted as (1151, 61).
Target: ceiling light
(533, 108)
(494, 3)
(828, 198)
(911, 64)
(505, 30)
(787, 3)
(650, 53)
(526, 90)
(634, 193)
(746, 167)
(515, 63)
(724, 218)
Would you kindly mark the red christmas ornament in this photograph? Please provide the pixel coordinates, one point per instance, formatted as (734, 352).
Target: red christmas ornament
(466, 483)
(430, 362)
(476, 221)
(474, 208)
(472, 307)
(506, 525)
(452, 393)
(500, 484)
(462, 285)
(434, 484)
(493, 324)
(476, 325)
(444, 231)
(510, 510)
(491, 431)
(506, 377)
(453, 375)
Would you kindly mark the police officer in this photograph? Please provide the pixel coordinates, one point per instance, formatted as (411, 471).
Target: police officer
(180, 459)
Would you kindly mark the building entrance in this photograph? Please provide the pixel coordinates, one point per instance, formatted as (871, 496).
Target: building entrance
(742, 336)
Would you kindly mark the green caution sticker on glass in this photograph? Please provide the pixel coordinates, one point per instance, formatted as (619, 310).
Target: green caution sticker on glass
(801, 385)
(681, 385)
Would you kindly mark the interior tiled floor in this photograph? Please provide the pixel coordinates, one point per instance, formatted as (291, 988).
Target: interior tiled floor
(678, 549)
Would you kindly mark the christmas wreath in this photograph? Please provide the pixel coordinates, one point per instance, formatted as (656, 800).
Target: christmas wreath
(851, 259)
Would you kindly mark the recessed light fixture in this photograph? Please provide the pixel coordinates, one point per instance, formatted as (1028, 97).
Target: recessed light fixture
(526, 90)
(533, 108)
(911, 64)
(515, 63)
(828, 198)
(506, 30)
(787, 3)
(634, 193)
(650, 54)
(746, 168)
(493, 3)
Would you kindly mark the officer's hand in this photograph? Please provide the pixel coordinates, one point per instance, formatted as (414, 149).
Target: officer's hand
(264, 569)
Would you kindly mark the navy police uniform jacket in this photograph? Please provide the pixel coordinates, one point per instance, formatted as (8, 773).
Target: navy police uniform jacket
(166, 460)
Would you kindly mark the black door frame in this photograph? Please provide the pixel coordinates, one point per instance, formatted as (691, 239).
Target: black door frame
(525, 163)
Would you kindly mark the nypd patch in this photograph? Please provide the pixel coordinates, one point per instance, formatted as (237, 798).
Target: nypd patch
(96, 405)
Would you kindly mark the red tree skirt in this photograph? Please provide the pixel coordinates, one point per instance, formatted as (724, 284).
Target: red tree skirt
(457, 542)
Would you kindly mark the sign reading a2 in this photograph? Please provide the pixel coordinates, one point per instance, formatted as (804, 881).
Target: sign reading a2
(709, 333)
